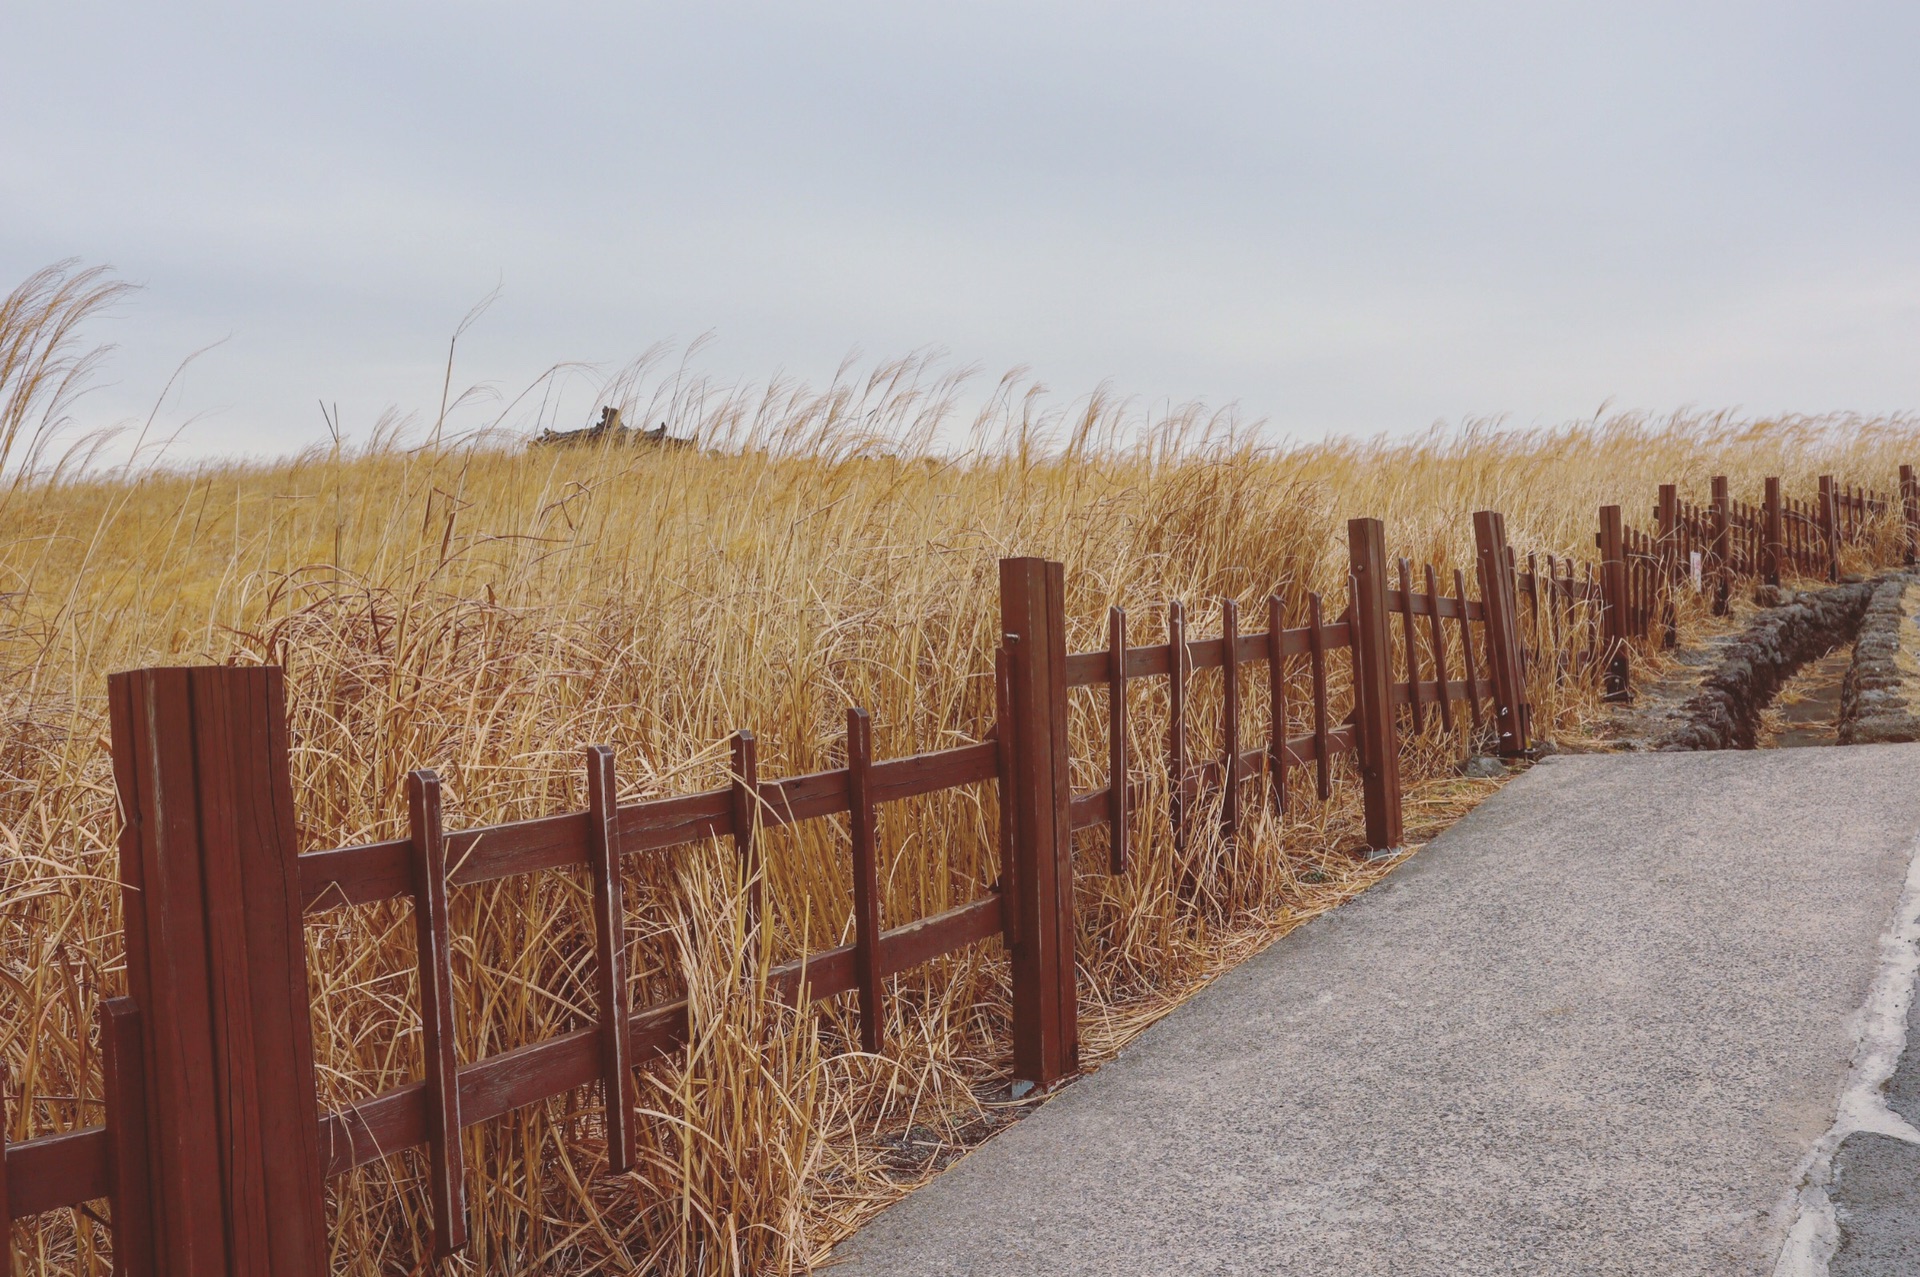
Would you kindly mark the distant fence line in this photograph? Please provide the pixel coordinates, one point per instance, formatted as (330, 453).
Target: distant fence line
(214, 1034)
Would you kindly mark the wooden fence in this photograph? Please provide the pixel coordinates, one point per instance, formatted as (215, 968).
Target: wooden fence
(212, 1153)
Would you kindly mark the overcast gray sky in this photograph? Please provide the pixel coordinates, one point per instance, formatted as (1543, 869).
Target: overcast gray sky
(1352, 217)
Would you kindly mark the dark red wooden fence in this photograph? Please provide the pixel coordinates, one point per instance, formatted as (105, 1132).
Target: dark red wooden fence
(213, 1154)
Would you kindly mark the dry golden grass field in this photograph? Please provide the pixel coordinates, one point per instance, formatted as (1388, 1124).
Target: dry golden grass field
(488, 609)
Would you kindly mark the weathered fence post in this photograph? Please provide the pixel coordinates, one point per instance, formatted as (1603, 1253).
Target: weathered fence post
(216, 965)
(1722, 567)
(1830, 526)
(1500, 600)
(1775, 540)
(1379, 751)
(1909, 516)
(1613, 608)
(1046, 1037)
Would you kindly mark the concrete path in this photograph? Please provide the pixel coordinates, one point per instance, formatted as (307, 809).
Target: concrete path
(1601, 1026)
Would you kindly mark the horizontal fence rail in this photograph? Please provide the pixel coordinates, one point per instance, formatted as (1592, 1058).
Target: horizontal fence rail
(214, 1033)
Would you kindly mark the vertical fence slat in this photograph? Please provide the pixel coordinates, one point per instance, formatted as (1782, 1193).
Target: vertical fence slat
(1643, 593)
(1177, 722)
(1637, 616)
(866, 880)
(124, 1087)
(1416, 711)
(1571, 615)
(1556, 618)
(6, 1196)
(1230, 717)
(1647, 567)
(1666, 515)
(1830, 527)
(744, 786)
(1722, 570)
(1005, 736)
(1774, 552)
(1117, 740)
(1612, 598)
(1277, 765)
(1687, 539)
(1468, 657)
(1439, 649)
(1909, 517)
(1630, 595)
(447, 1190)
(610, 955)
(1523, 583)
(1595, 604)
(1533, 611)
(1351, 617)
(1317, 655)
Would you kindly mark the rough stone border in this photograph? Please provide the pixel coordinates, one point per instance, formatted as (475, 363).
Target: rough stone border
(1725, 712)
(1882, 687)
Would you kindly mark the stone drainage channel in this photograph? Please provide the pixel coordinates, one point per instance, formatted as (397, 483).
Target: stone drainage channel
(1839, 666)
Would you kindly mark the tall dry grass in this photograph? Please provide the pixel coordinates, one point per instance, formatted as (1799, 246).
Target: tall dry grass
(487, 610)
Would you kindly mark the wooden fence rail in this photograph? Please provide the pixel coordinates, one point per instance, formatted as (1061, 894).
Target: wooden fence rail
(214, 1034)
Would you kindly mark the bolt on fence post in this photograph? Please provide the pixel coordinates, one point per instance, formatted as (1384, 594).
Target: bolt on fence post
(1499, 600)
(1776, 551)
(1373, 683)
(1046, 1039)
(1613, 605)
(216, 965)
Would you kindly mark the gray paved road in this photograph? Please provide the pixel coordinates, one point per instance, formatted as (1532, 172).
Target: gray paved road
(1596, 1028)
